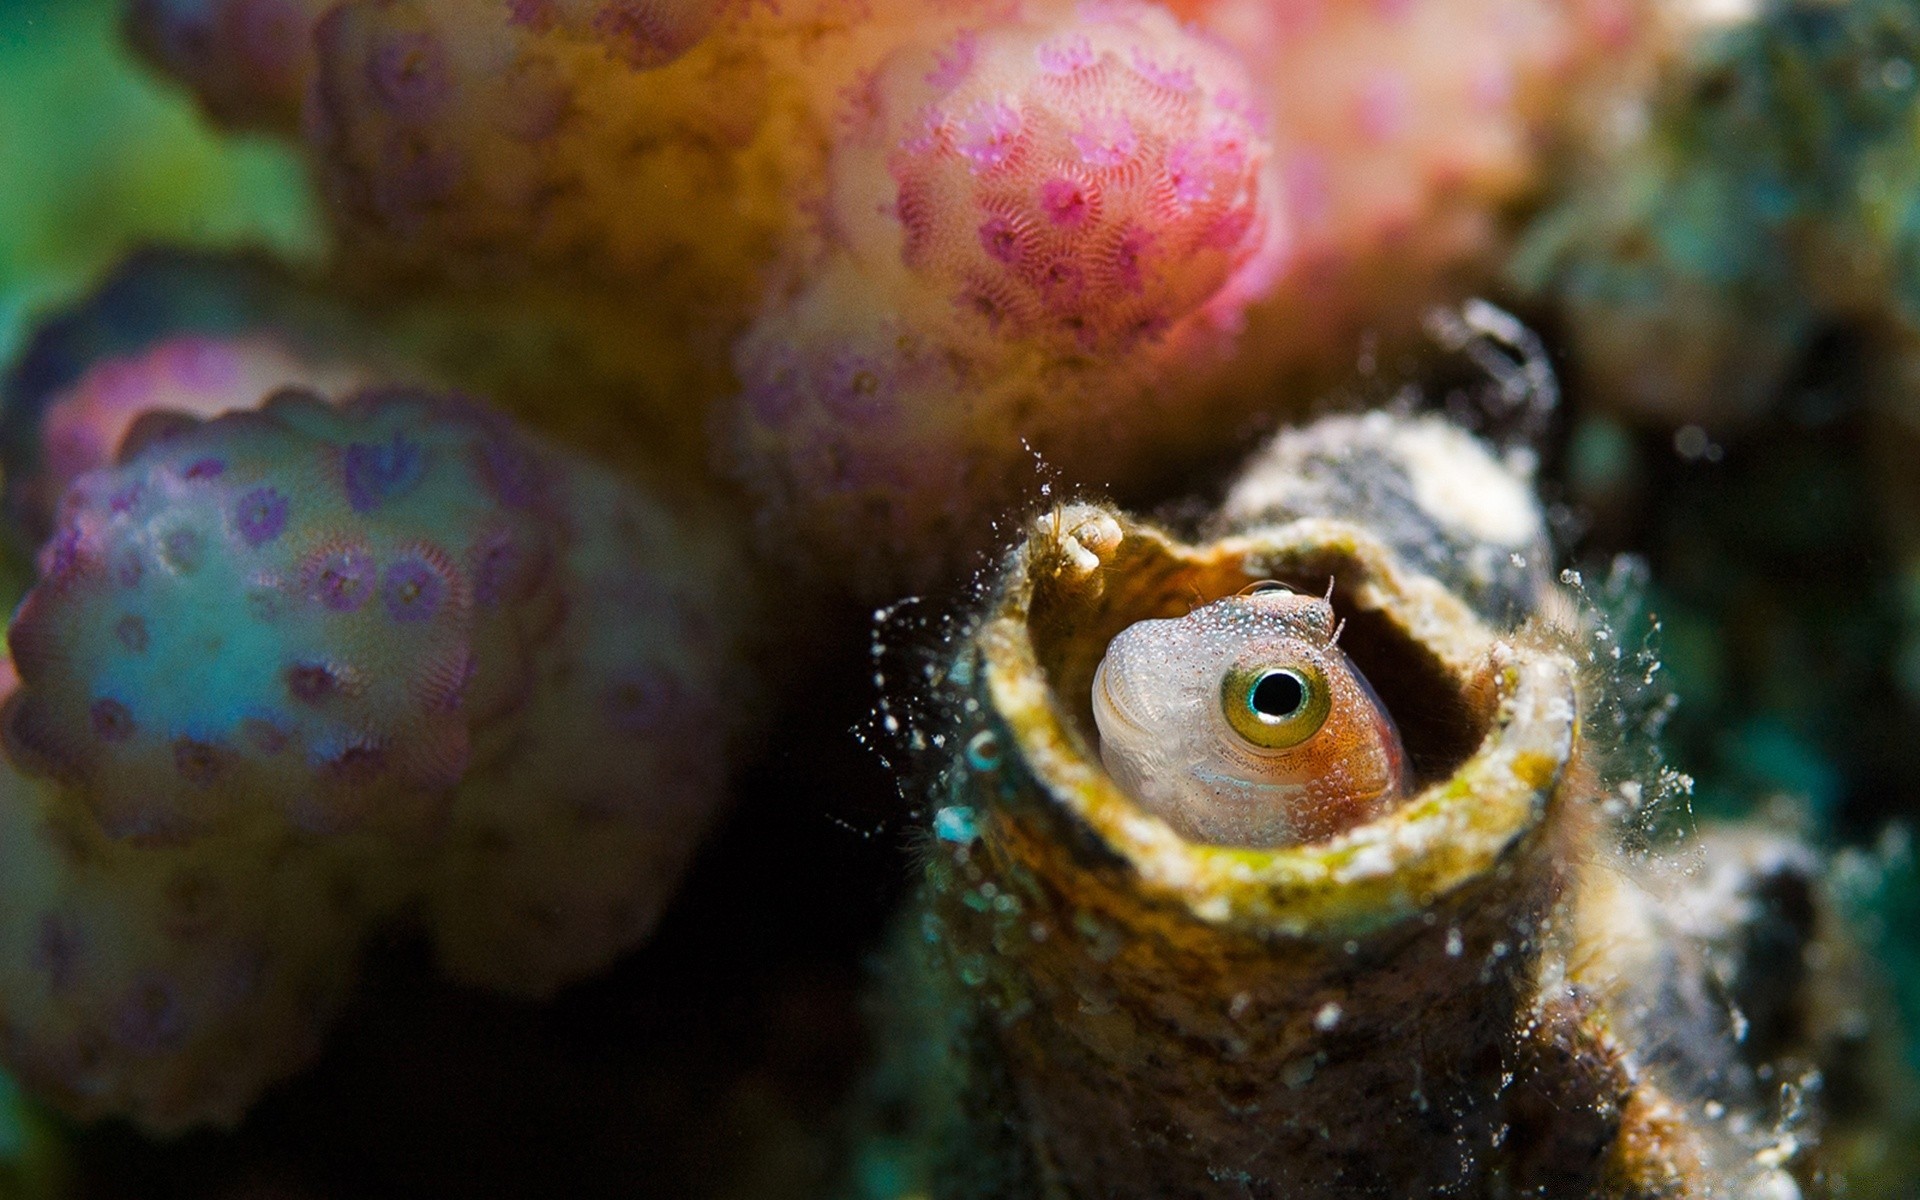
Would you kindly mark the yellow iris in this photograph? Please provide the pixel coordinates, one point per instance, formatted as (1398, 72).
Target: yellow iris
(1276, 706)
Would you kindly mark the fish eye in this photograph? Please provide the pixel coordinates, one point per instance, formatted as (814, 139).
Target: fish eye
(1264, 587)
(1275, 707)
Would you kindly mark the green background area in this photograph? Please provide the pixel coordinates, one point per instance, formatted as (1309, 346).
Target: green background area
(97, 155)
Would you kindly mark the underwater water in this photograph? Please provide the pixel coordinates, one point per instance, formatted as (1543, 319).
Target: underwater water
(559, 552)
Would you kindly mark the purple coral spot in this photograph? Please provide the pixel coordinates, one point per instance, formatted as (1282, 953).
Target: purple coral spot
(513, 473)
(1000, 238)
(311, 683)
(984, 304)
(1066, 202)
(951, 63)
(988, 135)
(412, 591)
(112, 722)
(641, 701)
(409, 76)
(376, 473)
(149, 1018)
(122, 502)
(1127, 255)
(196, 762)
(1146, 327)
(1187, 171)
(502, 570)
(341, 580)
(858, 389)
(775, 400)
(1061, 282)
(1229, 229)
(359, 763)
(205, 468)
(1064, 56)
(56, 951)
(645, 36)
(536, 15)
(62, 554)
(1174, 79)
(261, 515)
(131, 632)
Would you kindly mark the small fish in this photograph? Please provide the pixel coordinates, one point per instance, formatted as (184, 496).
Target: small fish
(1243, 724)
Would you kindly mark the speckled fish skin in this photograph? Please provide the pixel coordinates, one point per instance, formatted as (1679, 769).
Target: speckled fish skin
(1157, 700)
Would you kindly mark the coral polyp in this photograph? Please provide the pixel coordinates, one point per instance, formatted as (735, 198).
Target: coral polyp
(192, 375)
(1087, 185)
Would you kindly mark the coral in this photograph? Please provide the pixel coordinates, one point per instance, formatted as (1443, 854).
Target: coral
(310, 608)
(1400, 128)
(309, 662)
(954, 235)
(1759, 206)
(1083, 184)
(174, 331)
(489, 143)
(988, 304)
(192, 375)
(1062, 212)
(170, 984)
(563, 854)
(318, 650)
(249, 61)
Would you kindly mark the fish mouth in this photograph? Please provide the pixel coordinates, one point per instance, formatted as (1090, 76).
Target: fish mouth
(1211, 777)
(1106, 703)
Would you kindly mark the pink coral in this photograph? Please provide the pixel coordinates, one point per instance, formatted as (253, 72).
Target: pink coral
(1044, 229)
(1091, 186)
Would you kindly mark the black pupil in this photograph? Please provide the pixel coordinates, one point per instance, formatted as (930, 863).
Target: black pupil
(1279, 694)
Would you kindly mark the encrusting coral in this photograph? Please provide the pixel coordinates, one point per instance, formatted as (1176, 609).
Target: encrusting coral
(1761, 204)
(948, 237)
(287, 672)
